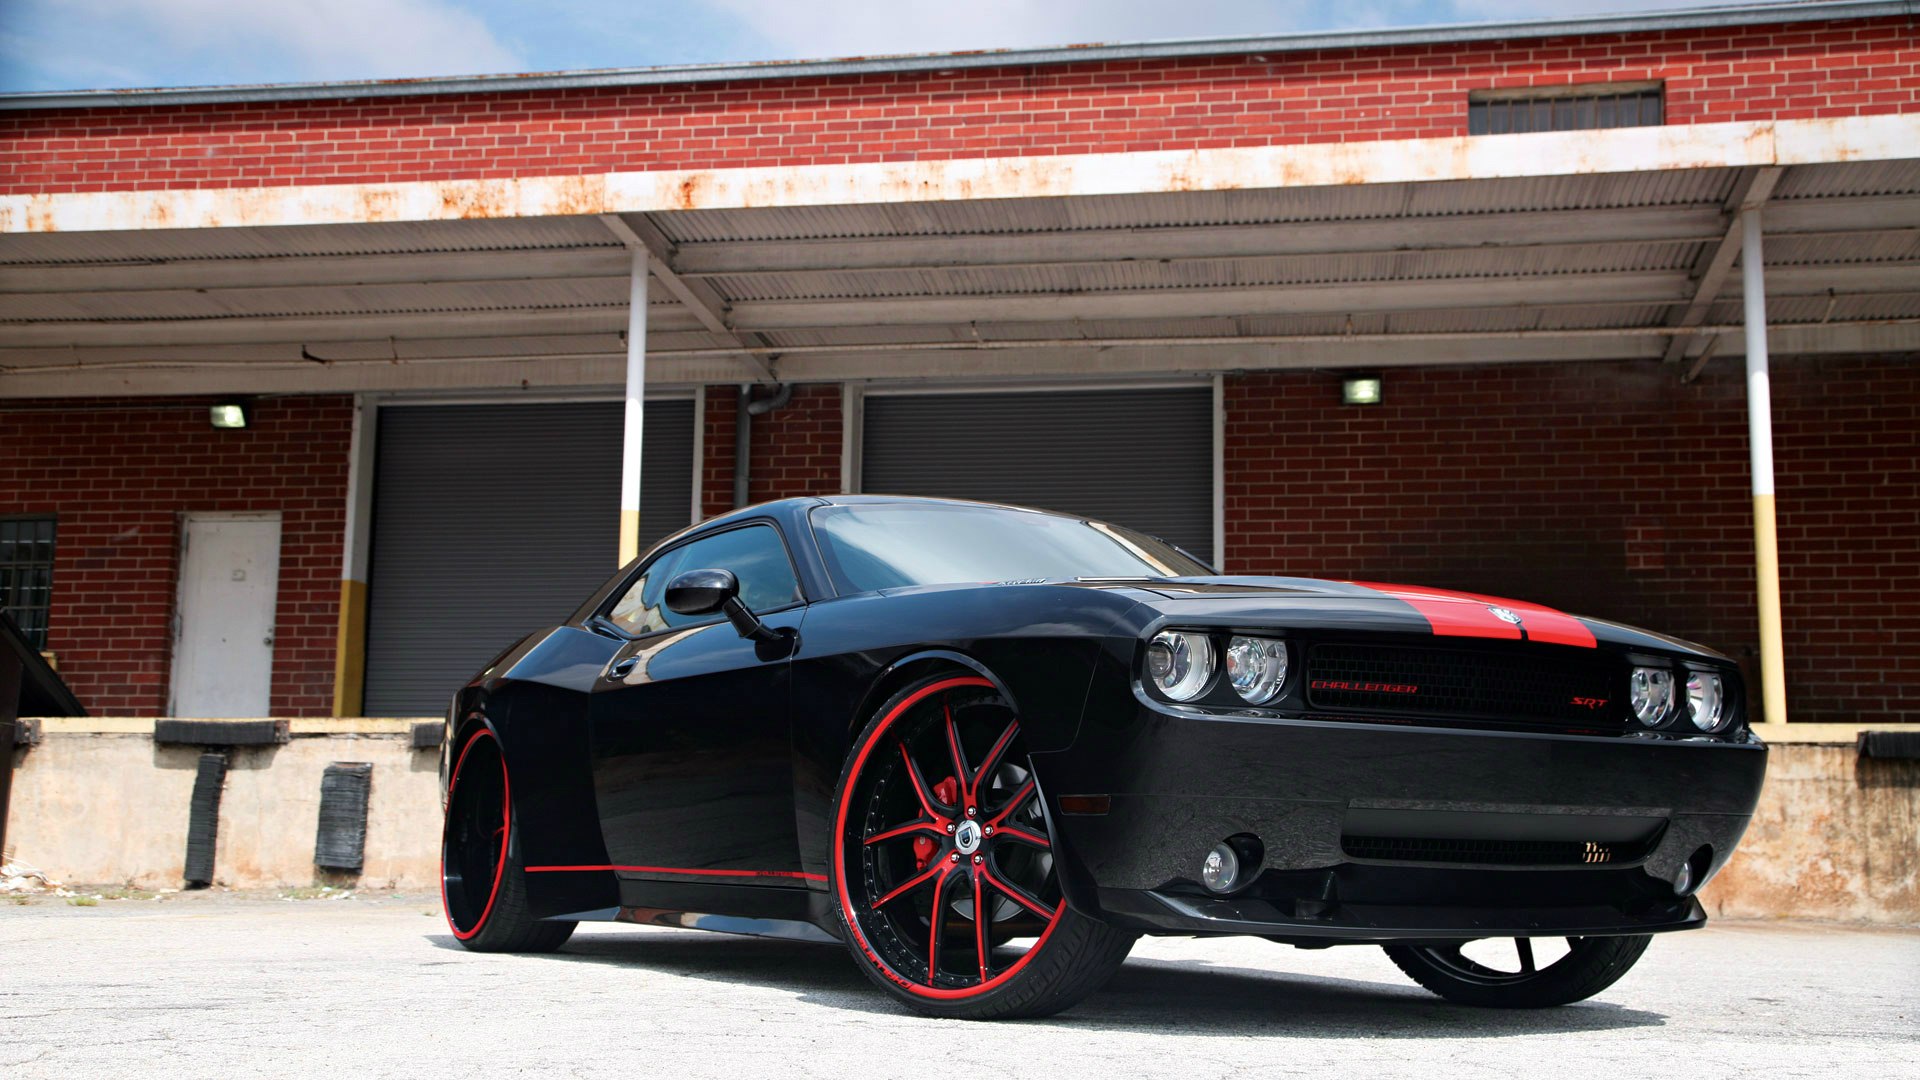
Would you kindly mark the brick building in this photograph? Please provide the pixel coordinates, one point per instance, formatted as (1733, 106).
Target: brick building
(1130, 281)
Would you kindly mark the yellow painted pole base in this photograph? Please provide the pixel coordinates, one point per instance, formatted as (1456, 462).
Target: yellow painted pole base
(629, 536)
(350, 649)
(1766, 550)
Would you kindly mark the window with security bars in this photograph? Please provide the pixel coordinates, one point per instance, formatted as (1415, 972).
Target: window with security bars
(26, 574)
(1565, 108)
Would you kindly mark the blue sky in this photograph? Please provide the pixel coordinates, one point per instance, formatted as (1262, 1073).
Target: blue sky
(87, 44)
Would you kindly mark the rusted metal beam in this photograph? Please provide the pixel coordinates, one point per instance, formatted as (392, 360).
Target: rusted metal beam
(1467, 157)
(1513, 230)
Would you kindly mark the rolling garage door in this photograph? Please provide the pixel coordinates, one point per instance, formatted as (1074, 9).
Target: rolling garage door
(1139, 458)
(491, 521)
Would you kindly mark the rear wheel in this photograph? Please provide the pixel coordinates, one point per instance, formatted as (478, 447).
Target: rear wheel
(1520, 973)
(943, 864)
(483, 886)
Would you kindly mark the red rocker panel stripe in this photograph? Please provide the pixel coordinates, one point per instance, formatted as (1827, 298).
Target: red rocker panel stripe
(793, 875)
(1461, 614)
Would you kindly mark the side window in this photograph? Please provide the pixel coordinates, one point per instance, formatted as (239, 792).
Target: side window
(756, 556)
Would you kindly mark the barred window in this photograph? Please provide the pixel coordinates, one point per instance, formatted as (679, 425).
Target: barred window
(26, 574)
(1565, 108)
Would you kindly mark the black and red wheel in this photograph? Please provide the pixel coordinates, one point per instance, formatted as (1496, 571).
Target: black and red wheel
(944, 866)
(1520, 973)
(483, 884)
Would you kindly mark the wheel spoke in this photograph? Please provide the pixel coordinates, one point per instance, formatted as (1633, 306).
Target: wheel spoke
(910, 884)
(959, 759)
(936, 918)
(927, 802)
(980, 918)
(1020, 796)
(1018, 895)
(1009, 832)
(1524, 946)
(909, 829)
(992, 761)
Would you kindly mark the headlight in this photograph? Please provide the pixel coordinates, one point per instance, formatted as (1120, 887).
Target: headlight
(1705, 702)
(1257, 668)
(1180, 664)
(1651, 691)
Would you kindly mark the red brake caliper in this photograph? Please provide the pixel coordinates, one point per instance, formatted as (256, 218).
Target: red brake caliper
(924, 847)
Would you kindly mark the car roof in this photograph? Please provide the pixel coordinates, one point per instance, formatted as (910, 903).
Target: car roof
(802, 503)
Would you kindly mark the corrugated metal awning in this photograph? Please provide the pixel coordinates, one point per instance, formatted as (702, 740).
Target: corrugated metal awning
(1537, 268)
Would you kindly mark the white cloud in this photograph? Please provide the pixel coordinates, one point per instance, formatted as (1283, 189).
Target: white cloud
(1567, 9)
(320, 39)
(841, 28)
(60, 44)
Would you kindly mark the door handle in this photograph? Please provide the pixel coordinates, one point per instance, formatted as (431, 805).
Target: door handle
(622, 668)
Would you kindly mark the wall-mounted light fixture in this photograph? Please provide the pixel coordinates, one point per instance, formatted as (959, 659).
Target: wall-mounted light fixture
(1360, 390)
(228, 415)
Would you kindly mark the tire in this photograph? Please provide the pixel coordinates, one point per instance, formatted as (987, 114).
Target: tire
(1590, 965)
(483, 883)
(906, 847)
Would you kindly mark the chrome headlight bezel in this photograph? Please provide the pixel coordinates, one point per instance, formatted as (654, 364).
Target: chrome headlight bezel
(1256, 667)
(1705, 694)
(1650, 695)
(1180, 664)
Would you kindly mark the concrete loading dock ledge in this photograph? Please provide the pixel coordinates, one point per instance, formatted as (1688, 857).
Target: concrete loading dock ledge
(392, 280)
(1831, 839)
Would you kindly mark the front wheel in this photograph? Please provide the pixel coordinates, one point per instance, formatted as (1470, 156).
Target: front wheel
(943, 863)
(1520, 973)
(483, 885)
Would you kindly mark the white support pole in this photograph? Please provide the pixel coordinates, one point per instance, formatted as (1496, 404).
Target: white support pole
(1766, 544)
(636, 409)
(350, 639)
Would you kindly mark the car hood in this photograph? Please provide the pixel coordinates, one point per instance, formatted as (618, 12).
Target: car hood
(1288, 602)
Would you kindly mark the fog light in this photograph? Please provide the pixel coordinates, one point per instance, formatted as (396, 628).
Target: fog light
(1683, 879)
(1221, 870)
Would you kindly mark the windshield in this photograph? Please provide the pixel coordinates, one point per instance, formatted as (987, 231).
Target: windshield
(891, 545)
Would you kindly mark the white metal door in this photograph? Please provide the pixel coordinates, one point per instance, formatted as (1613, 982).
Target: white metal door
(223, 628)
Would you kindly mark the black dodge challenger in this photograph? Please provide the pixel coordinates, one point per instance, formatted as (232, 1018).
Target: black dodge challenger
(988, 747)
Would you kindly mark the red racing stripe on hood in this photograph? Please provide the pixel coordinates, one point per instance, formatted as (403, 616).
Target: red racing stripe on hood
(1460, 614)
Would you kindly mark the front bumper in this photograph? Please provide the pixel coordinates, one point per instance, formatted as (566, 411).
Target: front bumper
(1375, 831)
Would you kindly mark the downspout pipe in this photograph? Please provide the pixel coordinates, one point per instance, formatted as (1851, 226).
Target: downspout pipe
(1766, 540)
(747, 409)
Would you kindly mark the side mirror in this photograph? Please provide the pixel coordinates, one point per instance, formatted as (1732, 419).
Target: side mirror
(703, 592)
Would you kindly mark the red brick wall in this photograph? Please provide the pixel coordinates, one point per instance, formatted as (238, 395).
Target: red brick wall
(795, 448)
(119, 473)
(1339, 95)
(1609, 490)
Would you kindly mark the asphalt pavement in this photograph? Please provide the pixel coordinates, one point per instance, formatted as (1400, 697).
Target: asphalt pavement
(375, 986)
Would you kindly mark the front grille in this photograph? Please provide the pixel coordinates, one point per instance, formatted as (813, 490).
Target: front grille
(1493, 852)
(1463, 683)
